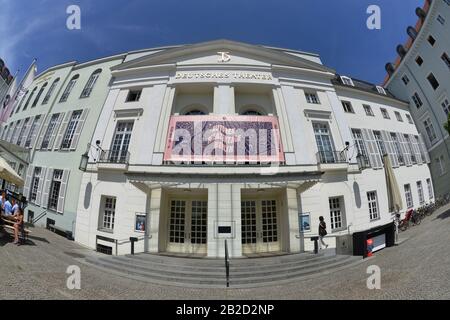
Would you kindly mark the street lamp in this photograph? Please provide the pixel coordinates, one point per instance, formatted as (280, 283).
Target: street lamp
(361, 161)
(84, 161)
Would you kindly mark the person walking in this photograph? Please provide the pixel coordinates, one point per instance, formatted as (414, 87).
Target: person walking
(322, 232)
(18, 226)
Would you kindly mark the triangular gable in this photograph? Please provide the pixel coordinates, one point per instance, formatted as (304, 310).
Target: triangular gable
(243, 50)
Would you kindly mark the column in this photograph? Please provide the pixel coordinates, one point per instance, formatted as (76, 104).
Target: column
(292, 215)
(224, 100)
(153, 220)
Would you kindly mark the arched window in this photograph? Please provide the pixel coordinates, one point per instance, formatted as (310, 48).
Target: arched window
(50, 91)
(69, 88)
(252, 113)
(29, 99)
(195, 113)
(90, 84)
(252, 110)
(21, 101)
(35, 102)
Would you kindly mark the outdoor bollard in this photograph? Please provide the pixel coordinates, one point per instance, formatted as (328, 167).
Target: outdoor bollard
(316, 244)
(133, 240)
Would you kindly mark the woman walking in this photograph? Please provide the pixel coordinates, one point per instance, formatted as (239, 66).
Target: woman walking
(322, 232)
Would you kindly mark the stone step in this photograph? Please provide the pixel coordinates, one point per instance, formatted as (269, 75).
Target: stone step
(211, 273)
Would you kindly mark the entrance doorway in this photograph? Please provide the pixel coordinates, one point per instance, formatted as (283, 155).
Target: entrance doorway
(187, 226)
(260, 225)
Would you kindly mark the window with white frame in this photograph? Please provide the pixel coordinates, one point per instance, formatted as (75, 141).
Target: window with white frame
(55, 188)
(361, 147)
(410, 148)
(368, 110)
(385, 113)
(408, 196)
(347, 107)
(380, 142)
(398, 116)
(36, 100)
(381, 90)
(430, 189)
(405, 79)
(312, 98)
(420, 192)
(22, 131)
(70, 131)
(441, 164)
(35, 183)
(410, 120)
(69, 88)
(108, 213)
(133, 95)
(421, 151)
(417, 101)
(34, 127)
(48, 133)
(441, 19)
(50, 91)
(347, 81)
(336, 213)
(430, 130)
(446, 106)
(373, 205)
(397, 149)
(91, 83)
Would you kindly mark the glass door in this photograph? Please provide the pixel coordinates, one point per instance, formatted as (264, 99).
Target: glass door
(121, 142)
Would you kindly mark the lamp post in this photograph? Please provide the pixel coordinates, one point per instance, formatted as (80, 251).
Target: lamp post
(84, 161)
(361, 161)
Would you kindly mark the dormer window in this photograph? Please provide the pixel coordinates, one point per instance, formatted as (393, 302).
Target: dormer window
(347, 81)
(381, 90)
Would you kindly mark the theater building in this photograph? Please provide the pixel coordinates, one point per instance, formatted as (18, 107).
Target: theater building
(420, 75)
(196, 144)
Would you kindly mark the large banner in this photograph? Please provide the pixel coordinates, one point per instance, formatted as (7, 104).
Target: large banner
(221, 138)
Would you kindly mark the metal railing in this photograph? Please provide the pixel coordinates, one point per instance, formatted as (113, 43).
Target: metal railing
(227, 264)
(332, 157)
(114, 156)
(39, 217)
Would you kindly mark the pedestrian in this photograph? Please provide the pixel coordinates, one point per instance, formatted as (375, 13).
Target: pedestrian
(18, 225)
(322, 232)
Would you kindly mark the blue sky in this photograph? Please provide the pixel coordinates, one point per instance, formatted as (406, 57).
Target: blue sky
(334, 29)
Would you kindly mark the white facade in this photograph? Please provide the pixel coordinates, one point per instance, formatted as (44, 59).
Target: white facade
(191, 208)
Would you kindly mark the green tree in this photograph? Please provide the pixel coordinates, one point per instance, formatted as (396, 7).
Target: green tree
(447, 125)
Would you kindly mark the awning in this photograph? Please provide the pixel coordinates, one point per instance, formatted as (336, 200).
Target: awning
(394, 198)
(9, 174)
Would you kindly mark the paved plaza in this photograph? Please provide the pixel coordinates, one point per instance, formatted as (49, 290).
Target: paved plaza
(416, 269)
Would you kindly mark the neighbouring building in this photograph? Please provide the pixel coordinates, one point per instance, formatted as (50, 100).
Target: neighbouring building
(6, 80)
(421, 75)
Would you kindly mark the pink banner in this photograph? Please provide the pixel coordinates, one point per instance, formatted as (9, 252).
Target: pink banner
(227, 139)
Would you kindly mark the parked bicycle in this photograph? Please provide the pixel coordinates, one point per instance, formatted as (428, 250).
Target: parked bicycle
(412, 218)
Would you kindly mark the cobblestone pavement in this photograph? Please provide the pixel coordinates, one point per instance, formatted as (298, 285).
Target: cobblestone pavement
(416, 269)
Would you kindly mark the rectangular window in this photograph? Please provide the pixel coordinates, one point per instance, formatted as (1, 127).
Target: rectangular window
(35, 184)
(324, 143)
(380, 143)
(312, 98)
(368, 110)
(134, 95)
(441, 19)
(385, 113)
(432, 79)
(373, 205)
(336, 215)
(441, 164)
(430, 189)
(431, 40)
(408, 196)
(430, 130)
(446, 59)
(70, 131)
(108, 214)
(405, 79)
(121, 142)
(359, 141)
(421, 151)
(446, 106)
(49, 132)
(55, 189)
(347, 81)
(381, 90)
(417, 101)
(397, 149)
(420, 192)
(410, 148)
(347, 107)
(410, 120)
(419, 60)
(398, 116)
(32, 132)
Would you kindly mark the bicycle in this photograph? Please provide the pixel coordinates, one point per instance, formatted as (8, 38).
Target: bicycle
(411, 218)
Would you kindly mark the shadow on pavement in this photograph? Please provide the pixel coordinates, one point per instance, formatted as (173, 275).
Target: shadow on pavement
(444, 215)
